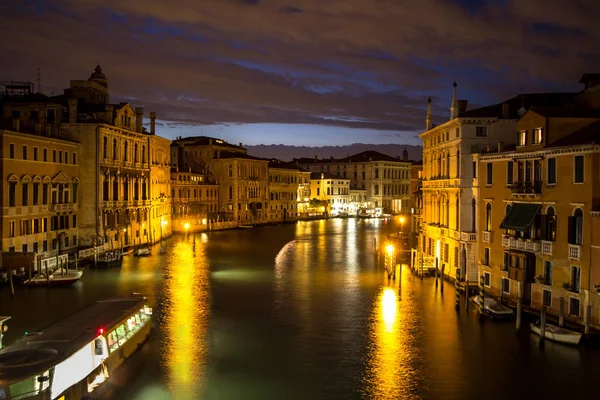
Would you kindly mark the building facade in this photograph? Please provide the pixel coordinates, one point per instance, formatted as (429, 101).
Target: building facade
(539, 203)
(332, 191)
(40, 195)
(386, 179)
(160, 184)
(284, 186)
(195, 202)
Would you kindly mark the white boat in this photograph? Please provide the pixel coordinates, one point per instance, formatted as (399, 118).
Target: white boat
(492, 307)
(57, 278)
(557, 334)
(245, 226)
(143, 252)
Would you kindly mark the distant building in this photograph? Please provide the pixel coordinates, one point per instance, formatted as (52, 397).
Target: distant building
(332, 191)
(195, 201)
(284, 185)
(386, 179)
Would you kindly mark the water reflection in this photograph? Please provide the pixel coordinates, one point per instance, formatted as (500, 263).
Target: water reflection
(186, 315)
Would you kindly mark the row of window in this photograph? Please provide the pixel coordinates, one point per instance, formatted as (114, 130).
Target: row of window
(58, 156)
(530, 171)
(126, 151)
(60, 193)
(210, 193)
(537, 137)
(35, 246)
(40, 225)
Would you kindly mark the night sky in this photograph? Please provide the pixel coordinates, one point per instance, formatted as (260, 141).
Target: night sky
(304, 72)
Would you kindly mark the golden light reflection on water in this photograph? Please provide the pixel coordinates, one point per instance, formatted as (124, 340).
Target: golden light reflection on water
(186, 319)
(388, 373)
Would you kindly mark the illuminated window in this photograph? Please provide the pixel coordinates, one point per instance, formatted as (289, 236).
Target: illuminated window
(522, 138)
(537, 136)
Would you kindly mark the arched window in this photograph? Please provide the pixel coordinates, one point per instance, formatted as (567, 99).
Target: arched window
(473, 216)
(125, 148)
(376, 189)
(447, 213)
(488, 217)
(576, 227)
(550, 233)
(135, 153)
(114, 149)
(458, 163)
(105, 147)
(143, 154)
(376, 173)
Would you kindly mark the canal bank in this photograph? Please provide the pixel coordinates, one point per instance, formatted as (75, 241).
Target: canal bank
(302, 311)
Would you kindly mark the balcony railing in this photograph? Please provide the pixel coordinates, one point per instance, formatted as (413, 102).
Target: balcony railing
(527, 187)
(546, 248)
(487, 236)
(574, 252)
(533, 246)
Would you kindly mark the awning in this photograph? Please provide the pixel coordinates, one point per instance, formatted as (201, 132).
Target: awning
(520, 216)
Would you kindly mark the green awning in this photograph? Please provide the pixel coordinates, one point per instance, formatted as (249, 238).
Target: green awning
(520, 216)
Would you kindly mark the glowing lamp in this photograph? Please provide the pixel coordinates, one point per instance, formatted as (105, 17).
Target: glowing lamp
(187, 225)
(389, 248)
(100, 331)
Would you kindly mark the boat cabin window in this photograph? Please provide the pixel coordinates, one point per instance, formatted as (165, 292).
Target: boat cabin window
(125, 331)
(98, 346)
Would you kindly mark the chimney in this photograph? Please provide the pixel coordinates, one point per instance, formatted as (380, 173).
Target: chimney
(500, 147)
(428, 124)
(454, 105)
(72, 111)
(16, 124)
(109, 113)
(139, 115)
(462, 106)
(505, 110)
(152, 123)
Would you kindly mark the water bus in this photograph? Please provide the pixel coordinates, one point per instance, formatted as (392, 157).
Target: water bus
(72, 358)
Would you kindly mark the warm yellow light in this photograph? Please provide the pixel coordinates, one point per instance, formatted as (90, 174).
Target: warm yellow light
(204, 221)
(163, 223)
(389, 248)
(389, 308)
(401, 220)
(187, 226)
(124, 230)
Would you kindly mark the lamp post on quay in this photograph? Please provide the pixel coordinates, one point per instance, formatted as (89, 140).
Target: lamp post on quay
(401, 225)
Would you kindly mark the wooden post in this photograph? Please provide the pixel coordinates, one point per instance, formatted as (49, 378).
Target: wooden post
(47, 274)
(481, 295)
(10, 279)
(561, 311)
(588, 312)
(519, 304)
(442, 277)
(436, 271)
(457, 287)
(76, 267)
(422, 266)
(543, 325)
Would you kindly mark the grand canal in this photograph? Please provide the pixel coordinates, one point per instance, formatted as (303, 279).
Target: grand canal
(302, 312)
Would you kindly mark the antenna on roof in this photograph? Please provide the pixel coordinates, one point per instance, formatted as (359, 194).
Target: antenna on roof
(39, 80)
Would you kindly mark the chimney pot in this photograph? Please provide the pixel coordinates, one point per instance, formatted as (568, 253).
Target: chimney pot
(72, 111)
(139, 115)
(153, 123)
(505, 110)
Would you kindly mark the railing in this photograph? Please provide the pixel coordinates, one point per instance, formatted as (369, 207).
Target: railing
(533, 246)
(574, 251)
(505, 241)
(527, 187)
(546, 248)
(521, 244)
(62, 207)
(487, 236)
(468, 237)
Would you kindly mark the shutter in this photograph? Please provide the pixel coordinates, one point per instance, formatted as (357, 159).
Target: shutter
(571, 229)
(544, 227)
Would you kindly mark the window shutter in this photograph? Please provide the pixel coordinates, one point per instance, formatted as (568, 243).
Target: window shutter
(544, 227)
(571, 230)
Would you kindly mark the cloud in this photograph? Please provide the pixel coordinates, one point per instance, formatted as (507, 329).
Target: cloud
(356, 63)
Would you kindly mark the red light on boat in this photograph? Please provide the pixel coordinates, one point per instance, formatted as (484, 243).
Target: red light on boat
(100, 331)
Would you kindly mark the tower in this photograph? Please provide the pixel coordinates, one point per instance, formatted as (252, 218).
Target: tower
(428, 124)
(405, 154)
(454, 106)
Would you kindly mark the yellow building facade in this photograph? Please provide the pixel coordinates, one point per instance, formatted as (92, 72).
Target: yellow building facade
(539, 202)
(195, 201)
(284, 186)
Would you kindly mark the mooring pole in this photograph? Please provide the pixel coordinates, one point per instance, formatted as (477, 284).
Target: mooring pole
(561, 310)
(543, 325)
(457, 287)
(519, 304)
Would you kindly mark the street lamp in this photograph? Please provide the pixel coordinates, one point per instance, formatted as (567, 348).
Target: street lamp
(123, 238)
(401, 223)
(186, 226)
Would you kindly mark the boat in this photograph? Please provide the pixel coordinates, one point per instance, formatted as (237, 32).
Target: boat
(57, 278)
(163, 250)
(144, 252)
(557, 333)
(493, 308)
(73, 357)
(127, 250)
(108, 259)
(245, 226)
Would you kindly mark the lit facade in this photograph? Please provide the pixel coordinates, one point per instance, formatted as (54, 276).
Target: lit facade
(303, 192)
(195, 202)
(284, 183)
(332, 191)
(538, 211)
(160, 184)
(40, 195)
(386, 179)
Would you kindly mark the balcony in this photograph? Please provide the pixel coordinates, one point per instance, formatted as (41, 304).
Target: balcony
(574, 252)
(62, 207)
(487, 236)
(533, 246)
(546, 248)
(526, 188)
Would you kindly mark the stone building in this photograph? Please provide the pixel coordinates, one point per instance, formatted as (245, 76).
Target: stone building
(539, 208)
(195, 201)
(160, 184)
(284, 185)
(303, 192)
(449, 235)
(331, 190)
(243, 180)
(114, 159)
(386, 179)
(40, 193)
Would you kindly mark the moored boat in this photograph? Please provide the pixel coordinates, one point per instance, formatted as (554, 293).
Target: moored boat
(108, 259)
(557, 333)
(493, 308)
(245, 226)
(57, 278)
(143, 252)
(73, 357)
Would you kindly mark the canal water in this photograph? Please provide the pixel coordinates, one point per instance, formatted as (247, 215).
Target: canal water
(303, 312)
